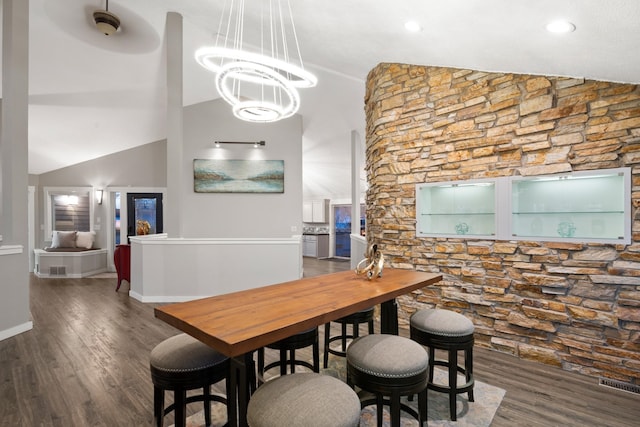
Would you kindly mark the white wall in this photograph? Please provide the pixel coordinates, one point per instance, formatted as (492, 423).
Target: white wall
(240, 215)
(331, 111)
(175, 269)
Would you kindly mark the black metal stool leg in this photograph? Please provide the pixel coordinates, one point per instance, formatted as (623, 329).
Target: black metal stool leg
(468, 369)
(206, 392)
(283, 362)
(180, 397)
(316, 357)
(423, 406)
(394, 409)
(453, 383)
(343, 330)
(327, 333)
(158, 406)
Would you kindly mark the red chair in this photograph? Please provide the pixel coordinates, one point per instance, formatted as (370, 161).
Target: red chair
(122, 261)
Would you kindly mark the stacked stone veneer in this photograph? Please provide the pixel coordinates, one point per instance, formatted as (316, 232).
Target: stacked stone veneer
(566, 304)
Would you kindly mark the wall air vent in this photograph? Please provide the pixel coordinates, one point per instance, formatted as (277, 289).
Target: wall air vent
(619, 385)
(60, 270)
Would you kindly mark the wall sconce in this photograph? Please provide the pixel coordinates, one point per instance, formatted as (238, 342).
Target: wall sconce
(99, 195)
(256, 144)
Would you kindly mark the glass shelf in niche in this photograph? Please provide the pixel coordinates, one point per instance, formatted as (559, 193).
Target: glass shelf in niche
(589, 206)
(587, 225)
(450, 224)
(456, 208)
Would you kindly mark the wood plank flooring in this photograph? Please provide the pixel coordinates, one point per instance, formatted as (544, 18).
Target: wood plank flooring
(86, 363)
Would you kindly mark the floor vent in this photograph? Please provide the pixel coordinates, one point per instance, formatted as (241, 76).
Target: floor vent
(619, 385)
(58, 270)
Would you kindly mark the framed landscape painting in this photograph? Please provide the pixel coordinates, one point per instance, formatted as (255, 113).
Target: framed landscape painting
(238, 176)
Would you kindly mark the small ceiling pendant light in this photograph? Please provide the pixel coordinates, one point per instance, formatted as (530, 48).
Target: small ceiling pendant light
(560, 27)
(260, 79)
(106, 22)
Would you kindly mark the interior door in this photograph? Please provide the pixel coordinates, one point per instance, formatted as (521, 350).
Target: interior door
(144, 213)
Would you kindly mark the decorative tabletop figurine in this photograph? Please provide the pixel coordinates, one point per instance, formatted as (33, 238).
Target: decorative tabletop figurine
(462, 228)
(142, 227)
(566, 229)
(372, 264)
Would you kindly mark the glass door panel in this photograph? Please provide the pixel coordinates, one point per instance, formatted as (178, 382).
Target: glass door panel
(144, 213)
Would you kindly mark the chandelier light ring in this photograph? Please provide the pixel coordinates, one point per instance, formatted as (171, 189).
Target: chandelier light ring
(214, 58)
(259, 82)
(251, 72)
(256, 110)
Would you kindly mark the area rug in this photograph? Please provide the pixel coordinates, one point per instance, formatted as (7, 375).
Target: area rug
(470, 414)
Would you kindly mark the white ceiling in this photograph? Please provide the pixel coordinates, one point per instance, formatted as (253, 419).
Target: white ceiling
(92, 95)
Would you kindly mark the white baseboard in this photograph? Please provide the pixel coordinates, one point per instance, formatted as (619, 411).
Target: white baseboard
(16, 330)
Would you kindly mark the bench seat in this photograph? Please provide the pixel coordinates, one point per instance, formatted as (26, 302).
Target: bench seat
(69, 262)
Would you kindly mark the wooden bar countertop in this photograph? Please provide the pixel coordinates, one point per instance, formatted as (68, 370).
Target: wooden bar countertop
(240, 322)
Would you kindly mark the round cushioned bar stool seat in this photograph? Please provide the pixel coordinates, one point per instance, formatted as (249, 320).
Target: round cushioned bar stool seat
(442, 322)
(304, 400)
(452, 332)
(183, 354)
(388, 356)
(390, 366)
(182, 363)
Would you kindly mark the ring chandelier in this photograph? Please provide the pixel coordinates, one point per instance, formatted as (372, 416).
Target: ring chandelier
(261, 85)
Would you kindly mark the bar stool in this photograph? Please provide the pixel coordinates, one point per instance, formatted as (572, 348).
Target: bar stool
(290, 345)
(304, 400)
(389, 366)
(355, 319)
(452, 332)
(183, 363)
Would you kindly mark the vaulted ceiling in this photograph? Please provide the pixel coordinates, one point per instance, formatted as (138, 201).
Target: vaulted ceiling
(92, 95)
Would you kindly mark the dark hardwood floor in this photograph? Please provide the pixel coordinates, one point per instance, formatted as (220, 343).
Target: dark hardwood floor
(85, 363)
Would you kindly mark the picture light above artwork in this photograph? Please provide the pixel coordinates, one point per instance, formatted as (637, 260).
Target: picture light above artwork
(256, 144)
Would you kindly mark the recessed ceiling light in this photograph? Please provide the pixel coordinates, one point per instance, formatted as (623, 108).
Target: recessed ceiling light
(412, 26)
(560, 27)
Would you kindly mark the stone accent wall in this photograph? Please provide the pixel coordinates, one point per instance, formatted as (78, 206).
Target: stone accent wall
(565, 304)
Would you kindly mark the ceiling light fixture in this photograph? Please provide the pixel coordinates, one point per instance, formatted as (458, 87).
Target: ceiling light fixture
(261, 85)
(560, 27)
(412, 26)
(106, 22)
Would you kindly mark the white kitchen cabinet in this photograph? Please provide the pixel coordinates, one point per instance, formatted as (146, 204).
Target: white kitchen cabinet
(316, 211)
(307, 212)
(316, 246)
(310, 246)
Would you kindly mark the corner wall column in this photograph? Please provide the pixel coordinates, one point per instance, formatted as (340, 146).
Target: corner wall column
(15, 316)
(356, 164)
(174, 32)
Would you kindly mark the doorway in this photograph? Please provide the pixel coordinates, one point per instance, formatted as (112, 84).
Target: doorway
(144, 214)
(342, 229)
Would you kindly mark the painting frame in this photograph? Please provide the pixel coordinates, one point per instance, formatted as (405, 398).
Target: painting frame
(238, 176)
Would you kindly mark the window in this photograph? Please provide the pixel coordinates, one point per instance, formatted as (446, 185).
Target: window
(67, 209)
